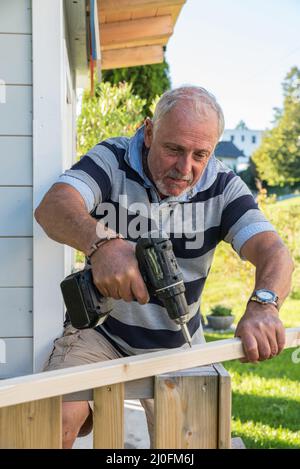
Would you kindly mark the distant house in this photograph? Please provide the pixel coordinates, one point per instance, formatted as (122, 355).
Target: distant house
(245, 139)
(229, 154)
(47, 48)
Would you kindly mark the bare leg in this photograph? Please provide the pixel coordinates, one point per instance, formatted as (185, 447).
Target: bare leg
(74, 416)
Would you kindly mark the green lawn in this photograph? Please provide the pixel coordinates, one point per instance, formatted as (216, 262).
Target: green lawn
(266, 397)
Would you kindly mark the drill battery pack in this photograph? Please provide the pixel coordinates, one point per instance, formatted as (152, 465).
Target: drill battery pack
(85, 305)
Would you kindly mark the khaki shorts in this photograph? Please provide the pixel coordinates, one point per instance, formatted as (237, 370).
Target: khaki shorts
(80, 347)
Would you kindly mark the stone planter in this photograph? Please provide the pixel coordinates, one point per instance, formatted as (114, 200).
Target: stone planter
(219, 322)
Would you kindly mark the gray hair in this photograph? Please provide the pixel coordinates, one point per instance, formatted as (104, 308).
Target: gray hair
(196, 95)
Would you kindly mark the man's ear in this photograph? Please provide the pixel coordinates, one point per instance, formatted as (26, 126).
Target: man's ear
(148, 132)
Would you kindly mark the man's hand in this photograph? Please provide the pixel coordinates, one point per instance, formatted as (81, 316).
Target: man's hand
(261, 331)
(116, 273)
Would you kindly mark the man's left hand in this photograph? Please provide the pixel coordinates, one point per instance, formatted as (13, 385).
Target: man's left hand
(261, 331)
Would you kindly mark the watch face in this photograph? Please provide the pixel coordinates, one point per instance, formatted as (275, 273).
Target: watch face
(265, 295)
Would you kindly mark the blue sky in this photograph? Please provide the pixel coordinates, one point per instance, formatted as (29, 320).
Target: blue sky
(240, 50)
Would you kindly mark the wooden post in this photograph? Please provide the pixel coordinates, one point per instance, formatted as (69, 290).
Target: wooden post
(224, 411)
(186, 410)
(31, 425)
(109, 417)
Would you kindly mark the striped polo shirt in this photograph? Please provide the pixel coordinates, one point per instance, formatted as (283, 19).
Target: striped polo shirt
(110, 178)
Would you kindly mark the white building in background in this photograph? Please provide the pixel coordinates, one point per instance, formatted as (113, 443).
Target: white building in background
(244, 139)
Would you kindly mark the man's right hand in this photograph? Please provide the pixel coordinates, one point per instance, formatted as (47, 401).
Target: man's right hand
(116, 273)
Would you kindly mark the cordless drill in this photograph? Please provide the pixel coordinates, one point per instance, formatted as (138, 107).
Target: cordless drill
(157, 263)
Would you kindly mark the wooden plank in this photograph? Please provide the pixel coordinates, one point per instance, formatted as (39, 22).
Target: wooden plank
(159, 40)
(16, 312)
(16, 161)
(118, 34)
(16, 112)
(112, 16)
(224, 404)
(109, 417)
(15, 211)
(15, 357)
(32, 425)
(78, 378)
(16, 59)
(16, 262)
(107, 6)
(15, 16)
(186, 410)
(132, 57)
(137, 389)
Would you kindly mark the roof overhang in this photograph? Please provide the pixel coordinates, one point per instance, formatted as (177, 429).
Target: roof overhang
(134, 32)
(125, 33)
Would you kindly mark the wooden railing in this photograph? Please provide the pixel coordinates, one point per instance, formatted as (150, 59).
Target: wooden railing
(30, 406)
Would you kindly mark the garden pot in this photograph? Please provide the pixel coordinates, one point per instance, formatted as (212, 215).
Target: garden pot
(219, 322)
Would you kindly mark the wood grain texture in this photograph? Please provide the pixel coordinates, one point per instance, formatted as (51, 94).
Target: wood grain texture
(128, 32)
(32, 425)
(109, 417)
(59, 382)
(186, 411)
(133, 56)
(224, 407)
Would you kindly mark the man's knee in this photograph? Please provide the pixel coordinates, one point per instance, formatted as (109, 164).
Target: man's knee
(76, 420)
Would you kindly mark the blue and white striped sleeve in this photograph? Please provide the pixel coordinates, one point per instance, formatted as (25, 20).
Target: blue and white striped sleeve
(91, 176)
(241, 217)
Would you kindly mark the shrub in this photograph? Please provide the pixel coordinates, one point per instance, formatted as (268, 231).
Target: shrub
(114, 111)
(220, 310)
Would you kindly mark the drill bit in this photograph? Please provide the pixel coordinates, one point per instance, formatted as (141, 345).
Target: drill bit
(186, 334)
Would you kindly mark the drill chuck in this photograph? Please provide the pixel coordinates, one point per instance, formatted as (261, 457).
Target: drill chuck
(163, 277)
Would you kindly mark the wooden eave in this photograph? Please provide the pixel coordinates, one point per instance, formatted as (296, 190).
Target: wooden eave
(134, 32)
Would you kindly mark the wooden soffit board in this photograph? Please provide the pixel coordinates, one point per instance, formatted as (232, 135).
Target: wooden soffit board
(134, 32)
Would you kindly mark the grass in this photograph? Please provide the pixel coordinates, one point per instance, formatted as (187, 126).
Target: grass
(266, 396)
(265, 400)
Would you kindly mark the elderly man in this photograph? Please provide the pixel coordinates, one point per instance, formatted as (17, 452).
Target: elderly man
(169, 162)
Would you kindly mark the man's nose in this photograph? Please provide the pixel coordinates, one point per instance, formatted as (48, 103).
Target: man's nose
(184, 165)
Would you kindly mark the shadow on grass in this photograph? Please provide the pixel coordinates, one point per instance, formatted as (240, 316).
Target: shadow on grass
(273, 411)
(279, 367)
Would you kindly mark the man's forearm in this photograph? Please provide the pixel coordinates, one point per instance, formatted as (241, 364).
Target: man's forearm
(64, 217)
(274, 271)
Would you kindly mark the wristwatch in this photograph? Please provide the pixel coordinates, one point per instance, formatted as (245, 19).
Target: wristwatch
(265, 297)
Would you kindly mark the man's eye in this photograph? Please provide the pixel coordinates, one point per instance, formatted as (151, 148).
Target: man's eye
(200, 156)
(173, 150)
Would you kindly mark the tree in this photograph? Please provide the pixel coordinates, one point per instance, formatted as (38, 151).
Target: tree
(278, 158)
(148, 81)
(113, 111)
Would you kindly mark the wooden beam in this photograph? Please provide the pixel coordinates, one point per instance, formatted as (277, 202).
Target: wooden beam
(131, 57)
(130, 32)
(159, 40)
(112, 6)
(31, 425)
(109, 417)
(224, 405)
(77, 378)
(186, 410)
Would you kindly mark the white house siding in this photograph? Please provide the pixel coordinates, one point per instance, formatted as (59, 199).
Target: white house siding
(16, 319)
